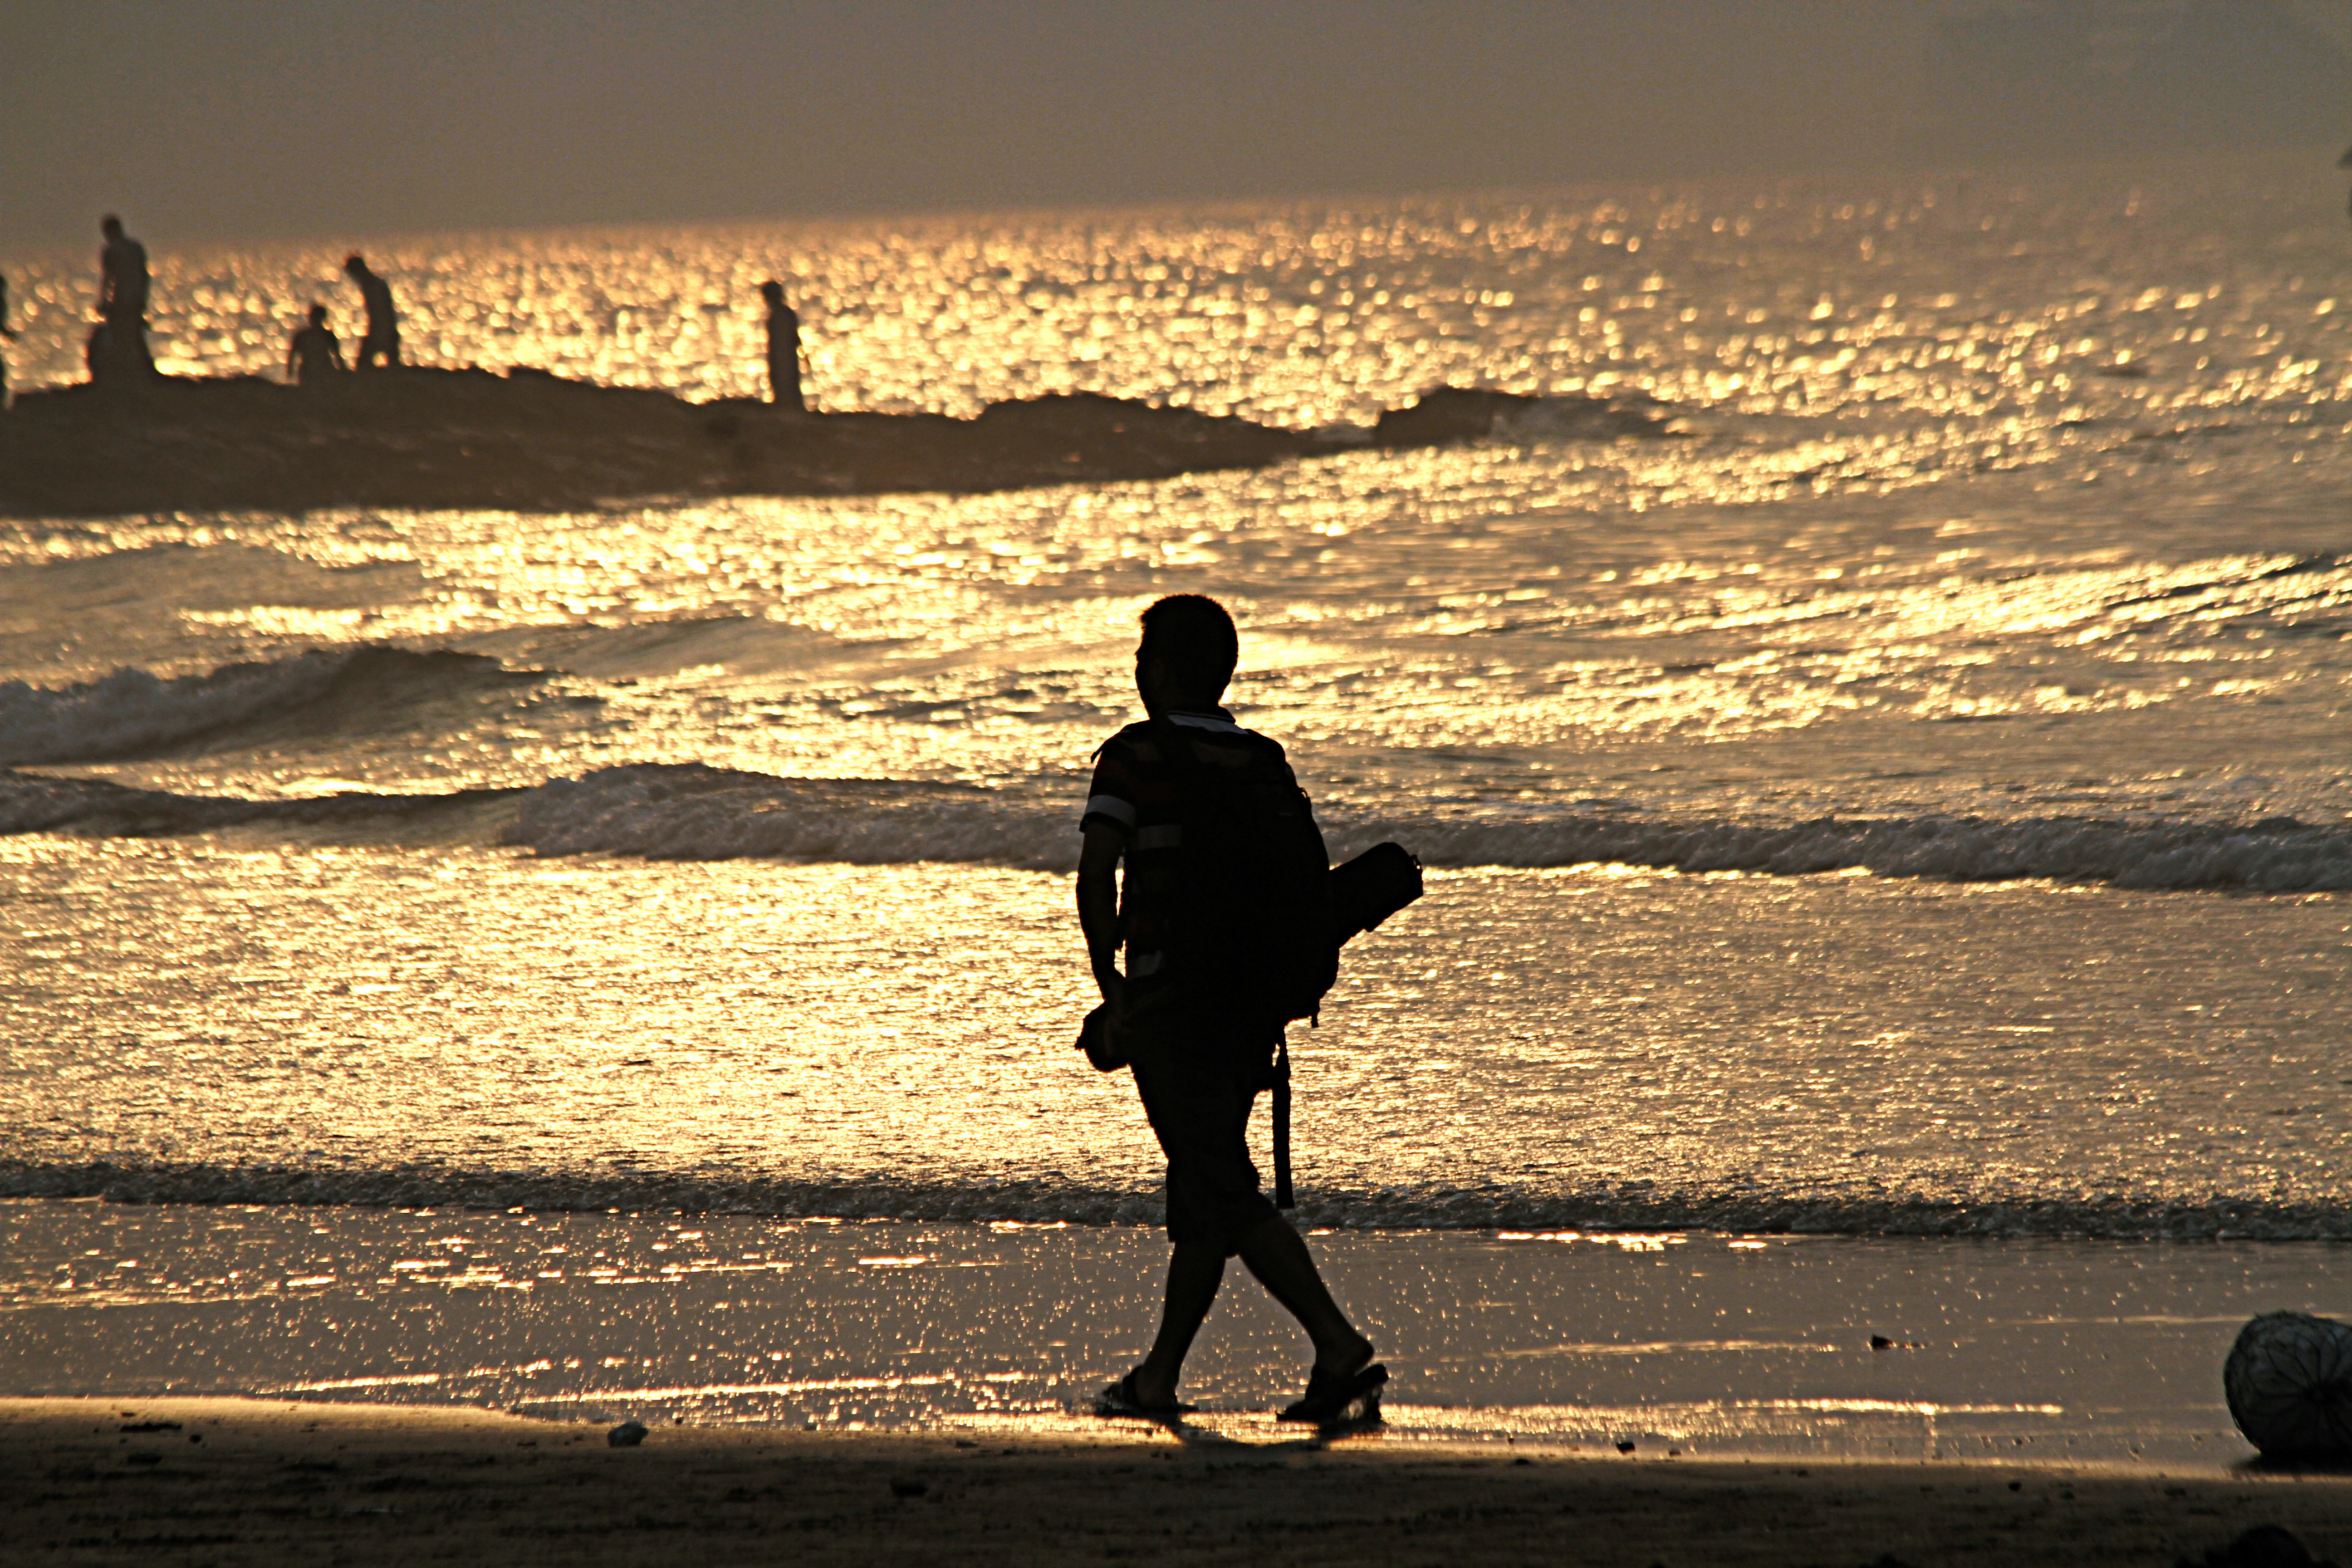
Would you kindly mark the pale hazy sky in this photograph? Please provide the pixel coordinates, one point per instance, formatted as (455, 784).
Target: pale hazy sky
(214, 118)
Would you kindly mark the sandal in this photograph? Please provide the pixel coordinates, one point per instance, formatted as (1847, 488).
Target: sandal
(1330, 1396)
(1120, 1399)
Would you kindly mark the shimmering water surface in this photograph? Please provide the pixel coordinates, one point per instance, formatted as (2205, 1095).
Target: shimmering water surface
(1907, 791)
(1839, 1053)
(1926, 539)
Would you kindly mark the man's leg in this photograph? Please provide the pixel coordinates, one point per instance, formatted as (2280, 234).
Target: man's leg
(1200, 1115)
(1277, 1255)
(1194, 1272)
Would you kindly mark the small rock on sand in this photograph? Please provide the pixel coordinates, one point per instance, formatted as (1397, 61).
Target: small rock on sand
(627, 1435)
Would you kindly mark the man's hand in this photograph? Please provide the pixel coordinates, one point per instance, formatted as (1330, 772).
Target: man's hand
(1098, 905)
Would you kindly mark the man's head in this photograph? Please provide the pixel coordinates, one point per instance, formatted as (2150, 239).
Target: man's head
(111, 226)
(356, 265)
(318, 315)
(1187, 654)
(772, 292)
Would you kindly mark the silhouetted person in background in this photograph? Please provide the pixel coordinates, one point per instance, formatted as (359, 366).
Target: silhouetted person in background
(315, 355)
(9, 333)
(1217, 836)
(2345, 162)
(381, 342)
(783, 350)
(119, 342)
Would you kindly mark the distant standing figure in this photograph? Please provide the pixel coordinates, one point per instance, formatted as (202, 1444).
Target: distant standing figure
(121, 341)
(381, 342)
(2345, 162)
(8, 333)
(783, 350)
(315, 355)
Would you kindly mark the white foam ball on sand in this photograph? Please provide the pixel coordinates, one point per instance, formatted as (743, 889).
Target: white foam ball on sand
(2289, 1382)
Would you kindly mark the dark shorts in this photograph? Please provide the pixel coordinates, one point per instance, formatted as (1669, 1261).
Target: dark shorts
(1198, 1086)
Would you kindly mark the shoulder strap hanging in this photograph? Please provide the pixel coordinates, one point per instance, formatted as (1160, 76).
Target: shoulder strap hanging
(1280, 1109)
(1176, 748)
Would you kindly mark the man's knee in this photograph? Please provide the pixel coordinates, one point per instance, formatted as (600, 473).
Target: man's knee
(1214, 1203)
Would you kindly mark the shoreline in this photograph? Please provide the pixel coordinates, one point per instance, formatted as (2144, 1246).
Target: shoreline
(530, 441)
(117, 1479)
(1631, 1208)
(1702, 1347)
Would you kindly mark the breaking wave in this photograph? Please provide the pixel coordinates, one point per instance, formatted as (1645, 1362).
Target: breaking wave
(690, 812)
(687, 812)
(1628, 1205)
(30, 802)
(2276, 855)
(132, 712)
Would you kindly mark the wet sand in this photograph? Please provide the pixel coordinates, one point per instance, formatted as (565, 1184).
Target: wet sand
(245, 1482)
(1773, 1349)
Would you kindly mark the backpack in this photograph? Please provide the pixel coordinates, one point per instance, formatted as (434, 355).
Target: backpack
(1253, 931)
(1260, 912)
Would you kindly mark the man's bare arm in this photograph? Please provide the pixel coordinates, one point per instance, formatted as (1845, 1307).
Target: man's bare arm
(1099, 903)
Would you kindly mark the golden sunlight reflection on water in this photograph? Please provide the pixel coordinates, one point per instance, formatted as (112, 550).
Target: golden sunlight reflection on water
(1783, 299)
(907, 1029)
(989, 639)
(1906, 487)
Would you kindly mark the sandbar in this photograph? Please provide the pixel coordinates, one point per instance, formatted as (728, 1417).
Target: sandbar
(527, 440)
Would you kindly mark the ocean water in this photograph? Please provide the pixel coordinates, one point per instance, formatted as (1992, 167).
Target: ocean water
(1912, 793)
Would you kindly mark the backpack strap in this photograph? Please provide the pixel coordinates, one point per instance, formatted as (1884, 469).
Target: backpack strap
(1279, 1109)
(1176, 748)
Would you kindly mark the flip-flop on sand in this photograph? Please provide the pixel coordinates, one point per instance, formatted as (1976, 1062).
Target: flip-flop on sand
(1330, 1394)
(1120, 1399)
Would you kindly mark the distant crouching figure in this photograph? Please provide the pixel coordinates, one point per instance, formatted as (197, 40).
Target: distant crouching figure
(783, 350)
(380, 345)
(315, 355)
(118, 345)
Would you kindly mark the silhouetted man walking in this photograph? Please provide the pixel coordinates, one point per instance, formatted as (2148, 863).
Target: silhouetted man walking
(1226, 916)
(380, 344)
(783, 350)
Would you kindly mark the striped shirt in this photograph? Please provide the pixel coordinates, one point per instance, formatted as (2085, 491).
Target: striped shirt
(1136, 793)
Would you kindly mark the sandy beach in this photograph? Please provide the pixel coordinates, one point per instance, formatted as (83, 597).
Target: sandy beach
(614, 634)
(224, 1481)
